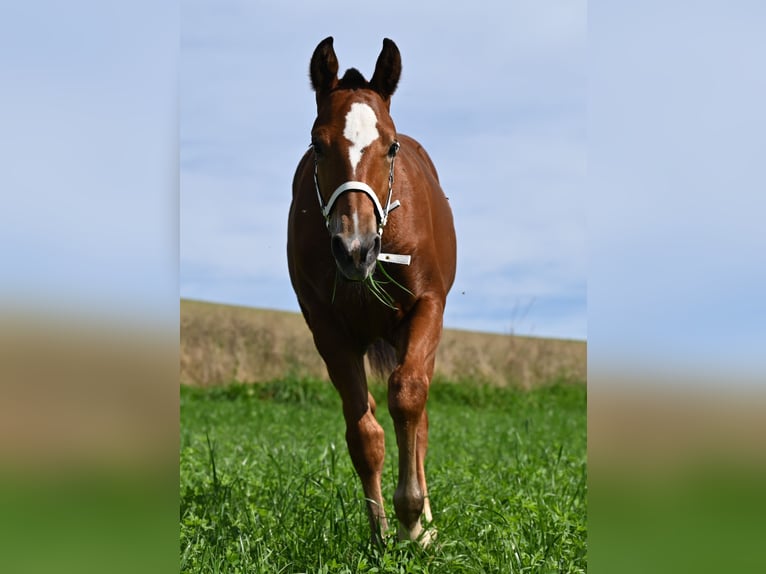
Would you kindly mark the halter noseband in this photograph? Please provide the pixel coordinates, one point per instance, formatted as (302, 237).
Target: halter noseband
(381, 213)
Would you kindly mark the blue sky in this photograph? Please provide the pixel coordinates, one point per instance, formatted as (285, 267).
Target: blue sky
(496, 95)
(88, 158)
(677, 188)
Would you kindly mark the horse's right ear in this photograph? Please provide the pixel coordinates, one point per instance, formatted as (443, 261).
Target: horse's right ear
(324, 68)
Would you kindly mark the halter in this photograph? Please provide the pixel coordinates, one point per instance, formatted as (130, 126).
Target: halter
(381, 213)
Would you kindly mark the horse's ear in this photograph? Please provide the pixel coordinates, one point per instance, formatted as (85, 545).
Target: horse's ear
(387, 70)
(324, 68)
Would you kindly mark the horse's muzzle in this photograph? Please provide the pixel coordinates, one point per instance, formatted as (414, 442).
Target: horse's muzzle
(355, 255)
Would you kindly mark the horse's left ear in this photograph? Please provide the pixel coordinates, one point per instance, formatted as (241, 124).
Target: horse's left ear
(387, 71)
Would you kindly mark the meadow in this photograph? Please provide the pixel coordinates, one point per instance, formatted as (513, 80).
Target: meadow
(267, 484)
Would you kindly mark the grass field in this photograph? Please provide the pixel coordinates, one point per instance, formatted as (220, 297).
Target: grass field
(267, 484)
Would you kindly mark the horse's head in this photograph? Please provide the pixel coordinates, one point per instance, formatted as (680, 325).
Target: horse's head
(354, 142)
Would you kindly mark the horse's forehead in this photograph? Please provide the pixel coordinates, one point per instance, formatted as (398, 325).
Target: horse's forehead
(361, 123)
(357, 107)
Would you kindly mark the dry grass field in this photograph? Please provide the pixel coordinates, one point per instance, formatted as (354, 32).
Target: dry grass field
(222, 344)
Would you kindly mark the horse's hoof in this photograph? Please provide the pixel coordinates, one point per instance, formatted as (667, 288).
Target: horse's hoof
(428, 536)
(423, 536)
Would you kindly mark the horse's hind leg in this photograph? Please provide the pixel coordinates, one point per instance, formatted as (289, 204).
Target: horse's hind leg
(407, 395)
(364, 435)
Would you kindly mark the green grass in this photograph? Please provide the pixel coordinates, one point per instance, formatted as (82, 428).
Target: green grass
(267, 484)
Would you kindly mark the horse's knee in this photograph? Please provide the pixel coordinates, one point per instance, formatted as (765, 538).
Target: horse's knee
(407, 395)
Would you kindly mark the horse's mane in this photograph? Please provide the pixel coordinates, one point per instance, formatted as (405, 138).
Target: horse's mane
(352, 80)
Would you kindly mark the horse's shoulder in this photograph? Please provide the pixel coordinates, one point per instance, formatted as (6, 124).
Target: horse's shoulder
(418, 152)
(303, 171)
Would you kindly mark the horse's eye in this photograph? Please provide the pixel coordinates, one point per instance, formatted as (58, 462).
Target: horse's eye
(317, 145)
(393, 149)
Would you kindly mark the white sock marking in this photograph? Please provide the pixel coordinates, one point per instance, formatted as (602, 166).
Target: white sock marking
(360, 130)
(427, 510)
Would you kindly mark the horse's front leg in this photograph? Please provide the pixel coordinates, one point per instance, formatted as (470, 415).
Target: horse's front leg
(364, 435)
(407, 395)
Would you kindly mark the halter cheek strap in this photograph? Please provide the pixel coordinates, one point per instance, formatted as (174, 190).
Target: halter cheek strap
(380, 212)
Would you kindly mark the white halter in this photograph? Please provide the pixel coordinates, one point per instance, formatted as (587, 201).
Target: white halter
(363, 187)
(380, 211)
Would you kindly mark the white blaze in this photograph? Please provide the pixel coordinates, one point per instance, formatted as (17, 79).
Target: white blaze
(360, 130)
(355, 219)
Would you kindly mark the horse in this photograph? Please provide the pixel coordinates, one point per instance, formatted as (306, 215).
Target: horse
(371, 252)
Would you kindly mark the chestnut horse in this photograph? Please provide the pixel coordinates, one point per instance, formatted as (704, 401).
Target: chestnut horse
(371, 251)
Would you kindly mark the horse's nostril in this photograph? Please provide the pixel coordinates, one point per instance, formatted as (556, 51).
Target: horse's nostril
(338, 247)
(372, 253)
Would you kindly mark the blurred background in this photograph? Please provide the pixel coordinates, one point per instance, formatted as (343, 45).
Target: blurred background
(673, 252)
